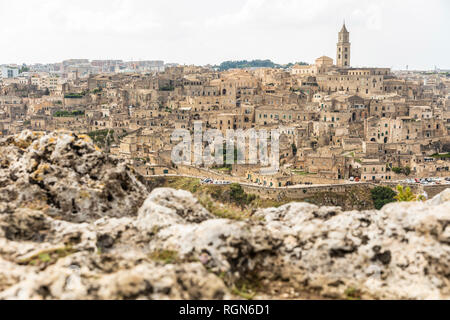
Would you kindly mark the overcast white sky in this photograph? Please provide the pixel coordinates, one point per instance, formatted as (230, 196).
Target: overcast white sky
(391, 33)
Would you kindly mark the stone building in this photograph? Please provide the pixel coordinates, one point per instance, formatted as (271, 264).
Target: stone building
(343, 49)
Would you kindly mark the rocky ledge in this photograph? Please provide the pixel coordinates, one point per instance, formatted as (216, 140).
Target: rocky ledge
(78, 224)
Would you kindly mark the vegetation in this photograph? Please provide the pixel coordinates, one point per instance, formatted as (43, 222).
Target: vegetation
(74, 95)
(65, 113)
(239, 197)
(164, 256)
(300, 173)
(382, 196)
(223, 201)
(406, 195)
(398, 170)
(48, 257)
(244, 292)
(167, 88)
(353, 294)
(441, 156)
(102, 137)
(24, 69)
(248, 286)
(243, 64)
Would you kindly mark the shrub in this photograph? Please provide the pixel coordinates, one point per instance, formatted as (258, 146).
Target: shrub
(74, 95)
(406, 195)
(397, 170)
(64, 113)
(382, 196)
(406, 170)
(238, 195)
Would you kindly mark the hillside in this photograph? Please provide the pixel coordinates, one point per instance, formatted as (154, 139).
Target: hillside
(244, 64)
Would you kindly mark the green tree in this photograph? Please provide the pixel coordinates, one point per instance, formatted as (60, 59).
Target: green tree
(407, 171)
(238, 195)
(24, 69)
(397, 170)
(382, 196)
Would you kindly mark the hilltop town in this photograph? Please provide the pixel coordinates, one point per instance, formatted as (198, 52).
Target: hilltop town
(338, 123)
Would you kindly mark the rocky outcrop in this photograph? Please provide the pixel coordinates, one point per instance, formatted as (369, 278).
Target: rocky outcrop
(67, 176)
(400, 252)
(118, 242)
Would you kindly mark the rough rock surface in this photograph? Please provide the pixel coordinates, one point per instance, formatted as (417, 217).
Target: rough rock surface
(67, 176)
(400, 252)
(74, 224)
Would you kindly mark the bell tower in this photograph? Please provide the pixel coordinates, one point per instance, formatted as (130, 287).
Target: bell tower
(343, 48)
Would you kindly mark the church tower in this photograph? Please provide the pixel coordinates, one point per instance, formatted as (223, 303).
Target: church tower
(343, 49)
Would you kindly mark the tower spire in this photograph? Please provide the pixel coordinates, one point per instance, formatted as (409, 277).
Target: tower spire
(343, 48)
(344, 28)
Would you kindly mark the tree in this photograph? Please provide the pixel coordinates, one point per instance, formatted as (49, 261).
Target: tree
(397, 170)
(382, 196)
(238, 195)
(407, 171)
(24, 69)
(254, 64)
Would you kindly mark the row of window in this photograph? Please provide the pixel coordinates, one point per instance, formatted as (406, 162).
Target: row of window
(276, 116)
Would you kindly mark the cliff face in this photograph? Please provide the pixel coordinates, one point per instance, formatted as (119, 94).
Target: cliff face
(77, 224)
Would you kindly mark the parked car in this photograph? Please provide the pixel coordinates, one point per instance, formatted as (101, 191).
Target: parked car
(207, 181)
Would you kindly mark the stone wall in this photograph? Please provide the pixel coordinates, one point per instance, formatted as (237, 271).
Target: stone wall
(347, 196)
(205, 173)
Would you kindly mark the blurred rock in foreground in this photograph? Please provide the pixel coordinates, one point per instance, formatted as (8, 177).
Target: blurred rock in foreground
(77, 224)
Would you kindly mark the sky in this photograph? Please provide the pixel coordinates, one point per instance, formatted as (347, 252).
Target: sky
(383, 33)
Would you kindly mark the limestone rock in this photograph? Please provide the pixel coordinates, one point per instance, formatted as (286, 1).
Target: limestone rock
(66, 176)
(85, 276)
(400, 252)
(78, 224)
